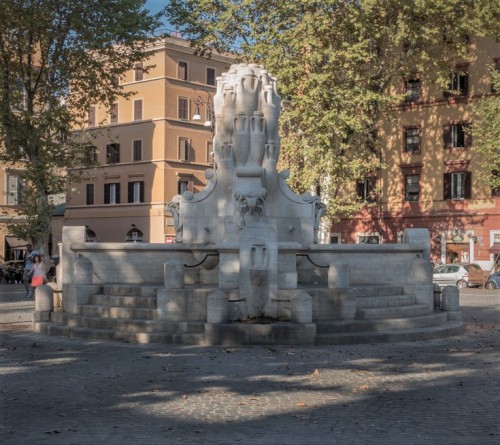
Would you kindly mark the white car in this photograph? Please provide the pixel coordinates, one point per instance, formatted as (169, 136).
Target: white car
(460, 275)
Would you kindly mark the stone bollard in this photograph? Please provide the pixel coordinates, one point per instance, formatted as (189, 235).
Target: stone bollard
(301, 311)
(173, 273)
(44, 303)
(338, 276)
(217, 307)
(451, 302)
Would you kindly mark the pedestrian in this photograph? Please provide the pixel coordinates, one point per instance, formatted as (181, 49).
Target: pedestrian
(37, 273)
(27, 266)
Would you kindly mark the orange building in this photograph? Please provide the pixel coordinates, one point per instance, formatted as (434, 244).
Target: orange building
(433, 177)
(149, 147)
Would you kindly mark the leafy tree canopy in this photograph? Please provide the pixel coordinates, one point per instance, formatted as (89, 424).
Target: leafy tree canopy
(57, 58)
(336, 61)
(486, 133)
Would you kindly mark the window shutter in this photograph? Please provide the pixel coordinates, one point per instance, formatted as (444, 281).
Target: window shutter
(182, 70)
(130, 192)
(118, 193)
(447, 186)
(447, 136)
(183, 149)
(465, 84)
(90, 194)
(113, 114)
(190, 186)
(138, 110)
(91, 120)
(141, 193)
(467, 185)
(360, 190)
(106, 194)
(467, 136)
(139, 73)
(372, 182)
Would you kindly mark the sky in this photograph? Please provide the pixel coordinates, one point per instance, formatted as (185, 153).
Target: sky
(156, 6)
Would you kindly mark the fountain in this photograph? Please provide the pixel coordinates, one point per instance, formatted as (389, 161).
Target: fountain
(246, 267)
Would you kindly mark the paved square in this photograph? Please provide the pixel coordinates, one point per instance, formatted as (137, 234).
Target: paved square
(56, 390)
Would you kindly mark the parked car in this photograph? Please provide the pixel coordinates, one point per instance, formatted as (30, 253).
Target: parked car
(458, 274)
(493, 281)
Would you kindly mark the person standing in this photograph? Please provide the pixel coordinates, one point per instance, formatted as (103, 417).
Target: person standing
(37, 273)
(27, 266)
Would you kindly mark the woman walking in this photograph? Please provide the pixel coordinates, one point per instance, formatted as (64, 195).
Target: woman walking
(37, 273)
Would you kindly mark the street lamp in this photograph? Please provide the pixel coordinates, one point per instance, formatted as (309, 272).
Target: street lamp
(199, 100)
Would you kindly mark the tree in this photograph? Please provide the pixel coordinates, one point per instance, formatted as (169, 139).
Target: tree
(336, 61)
(486, 133)
(57, 59)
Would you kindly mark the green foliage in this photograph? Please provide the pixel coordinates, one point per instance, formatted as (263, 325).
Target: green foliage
(486, 133)
(336, 60)
(58, 58)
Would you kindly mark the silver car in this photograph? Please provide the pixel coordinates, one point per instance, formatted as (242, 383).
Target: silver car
(460, 275)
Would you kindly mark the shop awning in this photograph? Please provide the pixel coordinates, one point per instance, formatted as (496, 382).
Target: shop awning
(495, 248)
(16, 243)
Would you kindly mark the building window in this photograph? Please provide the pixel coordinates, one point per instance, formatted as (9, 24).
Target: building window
(456, 136)
(14, 190)
(113, 114)
(18, 96)
(138, 110)
(457, 185)
(183, 109)
(368, 239)
(91, 117)
(335, 238)
(134, 235)
(210, 153)
(412, 140)
(138, 71)
(90, 154)
(182, 70)
(89, 194)
(495, 191)
(136, 191)
(412, 187)
(365, 189)
(113, 153)
(412, 88)
(496, 72)
(458, 86)
(184, 185)
(112, 193)
(184, 146)
(211, 76)
(137, 150)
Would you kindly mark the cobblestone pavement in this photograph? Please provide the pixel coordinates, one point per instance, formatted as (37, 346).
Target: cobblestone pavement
(56, 390)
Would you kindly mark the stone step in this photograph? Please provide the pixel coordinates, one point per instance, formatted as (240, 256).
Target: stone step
(374, 291)
(392, 336)
(352, 326)
(123, 301)
(379, 313)
(384, 301)
(123, 336)
(130, 290)
(169, 327)
(119, 324)
(118, 312)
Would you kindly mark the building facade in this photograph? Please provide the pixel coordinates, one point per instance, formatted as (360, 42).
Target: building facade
(149, 147)
(433, 177)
